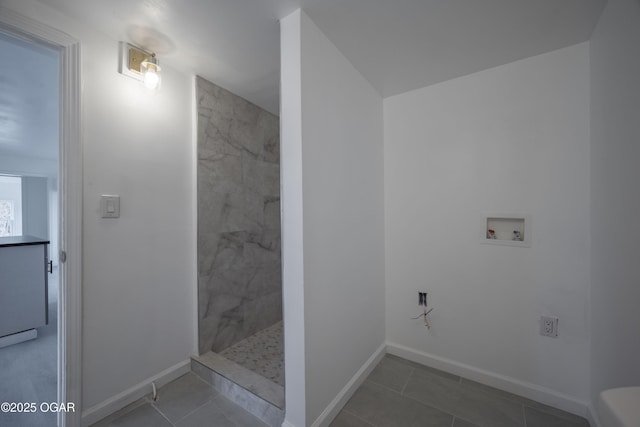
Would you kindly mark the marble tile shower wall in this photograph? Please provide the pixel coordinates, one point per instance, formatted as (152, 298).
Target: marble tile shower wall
(239, 272)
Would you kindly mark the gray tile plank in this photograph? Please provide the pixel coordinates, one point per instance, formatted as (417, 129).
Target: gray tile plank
(143, 416)
(520, 399)
(182, 396)
(495, 391)
(459, 422)
(345, 419)
(208, 415)
(385, 408)
(434, 390)
(237, 414)
(537, 418)
(556, 412)
(476, 406)
(129, 408)
(391, 373)
(422, 368)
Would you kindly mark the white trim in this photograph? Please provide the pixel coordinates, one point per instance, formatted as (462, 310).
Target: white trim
(287, 424)
(138, 391)
(292, 218)
(70, 360)
(522, 388)
(19, 337)
(593, 417)
(341, 399)
(70, 175)
(194, 214)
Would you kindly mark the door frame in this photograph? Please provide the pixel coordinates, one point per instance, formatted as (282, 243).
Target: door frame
(70, 206)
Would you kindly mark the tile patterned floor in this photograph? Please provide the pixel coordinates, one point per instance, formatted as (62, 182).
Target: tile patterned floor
(400, 393)
(186, 402)
(262, 353)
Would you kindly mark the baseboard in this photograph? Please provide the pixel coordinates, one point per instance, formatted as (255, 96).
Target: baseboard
(593, 418)
(529, 390)
(19, 337)
(127, 397)
(341, 399)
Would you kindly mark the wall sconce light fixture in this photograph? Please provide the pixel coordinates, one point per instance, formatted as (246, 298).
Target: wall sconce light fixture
(140, 65)
(150, 72)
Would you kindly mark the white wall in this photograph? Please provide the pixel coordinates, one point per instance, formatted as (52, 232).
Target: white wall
(340, 147)
(28, 166)
(510, 139)
(292, 219)
(139, 270)
(35, 206)
(615, 153)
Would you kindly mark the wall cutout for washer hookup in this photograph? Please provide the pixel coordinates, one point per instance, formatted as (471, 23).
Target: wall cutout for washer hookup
(422, 302)
(549, 326)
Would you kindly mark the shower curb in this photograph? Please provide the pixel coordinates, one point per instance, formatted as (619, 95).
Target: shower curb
(257, 395)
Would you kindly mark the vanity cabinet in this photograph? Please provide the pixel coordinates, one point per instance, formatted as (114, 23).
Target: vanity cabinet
(23, 284)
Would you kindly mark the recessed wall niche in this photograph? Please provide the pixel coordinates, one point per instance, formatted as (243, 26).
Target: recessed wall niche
(506, 229)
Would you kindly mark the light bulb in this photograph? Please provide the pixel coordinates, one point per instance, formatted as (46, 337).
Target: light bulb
(150, 70)
(151, 79)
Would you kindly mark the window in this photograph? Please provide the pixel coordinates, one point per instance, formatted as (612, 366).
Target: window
(10, 206)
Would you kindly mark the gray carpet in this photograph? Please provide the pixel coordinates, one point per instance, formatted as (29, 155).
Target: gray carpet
(28, 370)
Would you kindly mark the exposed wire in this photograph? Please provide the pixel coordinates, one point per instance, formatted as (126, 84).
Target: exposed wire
(424, 314)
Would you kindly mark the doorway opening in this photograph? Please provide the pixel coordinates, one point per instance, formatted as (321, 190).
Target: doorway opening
(29, 175)
(240, 329)
(62, 178)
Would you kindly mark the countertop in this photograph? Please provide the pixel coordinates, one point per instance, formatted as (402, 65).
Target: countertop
(21, 241)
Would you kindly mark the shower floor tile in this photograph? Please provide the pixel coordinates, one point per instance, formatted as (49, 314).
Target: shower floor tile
(262, 353)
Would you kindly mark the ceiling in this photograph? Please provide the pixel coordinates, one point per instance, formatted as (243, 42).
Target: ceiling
(397, 45)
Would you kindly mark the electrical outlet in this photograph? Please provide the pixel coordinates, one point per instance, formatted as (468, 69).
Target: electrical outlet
(549, 326)
(422, 298)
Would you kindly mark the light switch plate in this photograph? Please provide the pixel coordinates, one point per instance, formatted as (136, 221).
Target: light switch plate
(110, 206)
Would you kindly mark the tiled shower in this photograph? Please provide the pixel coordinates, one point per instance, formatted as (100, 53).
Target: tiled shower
(239, 268)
